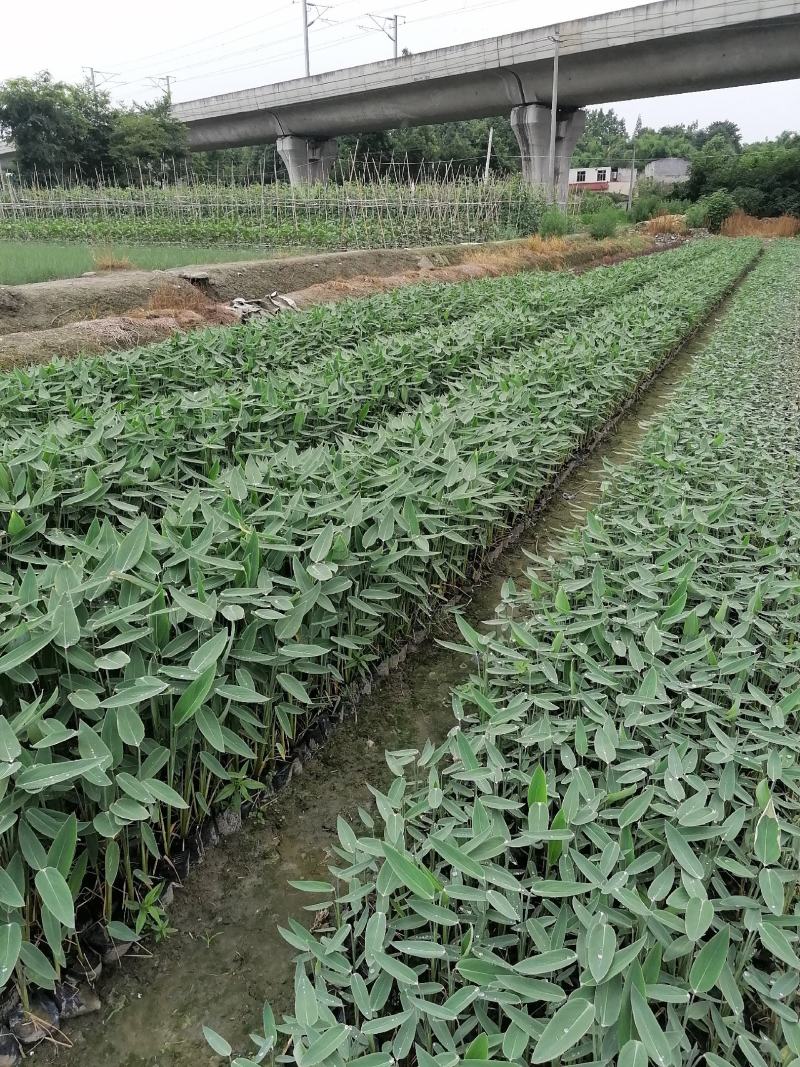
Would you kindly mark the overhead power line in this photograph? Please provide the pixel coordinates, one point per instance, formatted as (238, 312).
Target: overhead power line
(387, 24)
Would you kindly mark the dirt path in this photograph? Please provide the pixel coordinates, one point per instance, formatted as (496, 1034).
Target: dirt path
(226, 956)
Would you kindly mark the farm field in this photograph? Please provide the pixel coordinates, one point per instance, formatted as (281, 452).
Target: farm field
(355, 214)
(210, 542)
(25, 261)
(598, 863)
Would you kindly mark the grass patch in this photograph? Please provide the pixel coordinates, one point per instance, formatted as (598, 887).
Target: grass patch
(41, 261)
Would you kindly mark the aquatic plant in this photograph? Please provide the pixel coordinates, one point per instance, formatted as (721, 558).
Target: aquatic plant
(599, 863)
(178, 604)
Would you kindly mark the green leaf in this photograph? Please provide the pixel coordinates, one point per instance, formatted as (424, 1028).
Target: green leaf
(775, 941)
(217, 1043)
(683, 853)
(709, 961)
(132, 547)
(636, 807)
(632, 1054)
(699, 916)
(419, 881)
(164, 793)
(210, 727)
(294, 688)
(10, 945)
(209, 652)
(10, 896)
(562, 605)
(652, 639)
(36, 778)
(62, 850)
(118, 931)
(771, 886)
(768, 836)
(306, 1008)
(325, 1045)
(10, 747)
(478, 1049)
(537, 790)
(22, 653)
(651, 1034)
(56, 896)
(569, 1024)
(601, 944)
(193, 696)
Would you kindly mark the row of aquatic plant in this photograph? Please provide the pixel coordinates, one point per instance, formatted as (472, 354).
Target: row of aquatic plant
(599, 864)
(165, 642)
(309, 341)
(94, 455)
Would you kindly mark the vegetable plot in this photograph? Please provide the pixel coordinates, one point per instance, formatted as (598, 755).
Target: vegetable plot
(313, 339)
(599, 864)
(152, 668)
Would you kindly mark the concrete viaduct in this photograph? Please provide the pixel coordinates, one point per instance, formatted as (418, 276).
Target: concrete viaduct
(673, 46)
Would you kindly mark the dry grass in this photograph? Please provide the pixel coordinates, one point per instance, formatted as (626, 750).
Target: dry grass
(104, 259)
(178, 298)
(661, 224)
(741, 225)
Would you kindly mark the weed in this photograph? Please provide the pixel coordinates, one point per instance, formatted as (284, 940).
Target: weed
(106, 260)
(741, 225)
(666, 224)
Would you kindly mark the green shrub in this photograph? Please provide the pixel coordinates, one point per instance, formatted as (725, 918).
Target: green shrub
(677, 206)
(604, 224)
(749, 199)
(591, 203)
(647, 206)
(696, 215)
(554, 223)
(719, 206)
(598, 827)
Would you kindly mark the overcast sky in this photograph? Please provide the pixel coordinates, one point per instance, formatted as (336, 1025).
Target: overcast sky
(212, 47)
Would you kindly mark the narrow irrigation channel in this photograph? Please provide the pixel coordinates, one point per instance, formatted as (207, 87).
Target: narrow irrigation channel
(225, 955)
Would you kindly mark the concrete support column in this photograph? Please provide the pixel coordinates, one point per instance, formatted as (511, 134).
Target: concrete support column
(531, 124)
(307, 161)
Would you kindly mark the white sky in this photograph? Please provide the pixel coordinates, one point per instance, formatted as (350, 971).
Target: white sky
(212, 47)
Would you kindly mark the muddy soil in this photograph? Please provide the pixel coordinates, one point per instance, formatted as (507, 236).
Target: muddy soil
(225, 956)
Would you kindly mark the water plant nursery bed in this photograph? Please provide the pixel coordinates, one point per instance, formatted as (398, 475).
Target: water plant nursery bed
(205, 543)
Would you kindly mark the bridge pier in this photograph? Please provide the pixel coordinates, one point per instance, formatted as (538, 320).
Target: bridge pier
(307, 161)
(531, 124)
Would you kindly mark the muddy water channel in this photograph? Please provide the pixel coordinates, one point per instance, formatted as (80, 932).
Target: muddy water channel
(225, 955)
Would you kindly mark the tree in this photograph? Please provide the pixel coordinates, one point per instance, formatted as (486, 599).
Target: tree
(713, 167)
(729, 131)
(56, 127)
(143, 137)
(604, 140)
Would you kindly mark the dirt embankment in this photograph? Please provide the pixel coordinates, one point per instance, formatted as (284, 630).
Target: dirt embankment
(78, 316)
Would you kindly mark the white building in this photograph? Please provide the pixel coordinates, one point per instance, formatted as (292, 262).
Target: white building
(602, 179)
(668, 171)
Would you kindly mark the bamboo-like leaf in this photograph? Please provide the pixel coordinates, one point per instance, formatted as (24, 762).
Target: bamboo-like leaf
(709, 961)
(569, 1024)
(56, 895)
